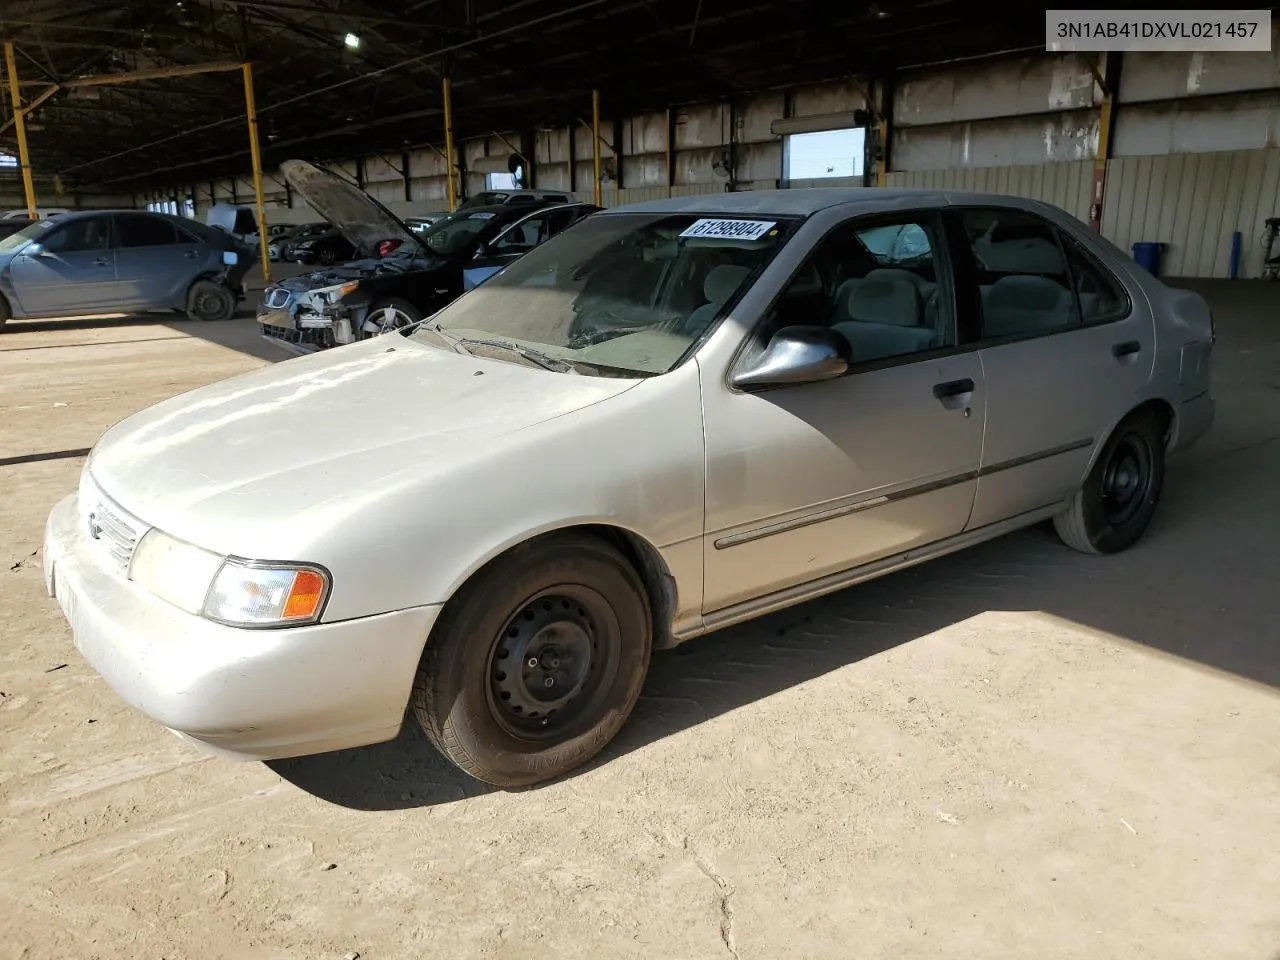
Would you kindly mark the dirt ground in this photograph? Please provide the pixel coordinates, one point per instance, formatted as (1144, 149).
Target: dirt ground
(1012, 752)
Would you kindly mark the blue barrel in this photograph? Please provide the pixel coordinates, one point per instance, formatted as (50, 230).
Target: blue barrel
(1148, 256)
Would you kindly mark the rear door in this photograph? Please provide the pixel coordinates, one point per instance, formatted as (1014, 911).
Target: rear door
(73, 272)
(1065, 353)
(155, 261)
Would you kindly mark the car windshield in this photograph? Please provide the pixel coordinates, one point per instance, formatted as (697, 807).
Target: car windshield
(619, 294)
(453, 234)
(31, 231)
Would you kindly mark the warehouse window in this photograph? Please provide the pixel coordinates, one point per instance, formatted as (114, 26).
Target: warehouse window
(824, 155)
(8, 160)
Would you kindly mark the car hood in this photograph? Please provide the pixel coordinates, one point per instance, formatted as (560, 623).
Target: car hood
(255, 462)
(358, 217)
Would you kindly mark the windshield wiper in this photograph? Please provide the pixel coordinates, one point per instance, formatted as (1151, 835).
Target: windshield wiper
(545, 361)
(452, 342)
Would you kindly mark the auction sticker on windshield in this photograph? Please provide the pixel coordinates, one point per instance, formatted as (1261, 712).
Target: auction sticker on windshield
(730, 229)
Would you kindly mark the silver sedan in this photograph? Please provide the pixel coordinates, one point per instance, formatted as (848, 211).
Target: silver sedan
(670, 418)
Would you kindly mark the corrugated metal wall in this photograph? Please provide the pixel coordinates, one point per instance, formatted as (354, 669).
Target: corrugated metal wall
(1065, 185)
(1193, 203)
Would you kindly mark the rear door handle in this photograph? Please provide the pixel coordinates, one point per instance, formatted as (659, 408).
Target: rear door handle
(102, 263)
(952, 388)
(1127, 349)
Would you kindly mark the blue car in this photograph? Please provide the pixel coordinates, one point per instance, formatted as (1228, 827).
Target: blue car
(120, 261)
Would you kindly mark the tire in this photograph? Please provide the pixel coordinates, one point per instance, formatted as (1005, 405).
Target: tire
(5, 312)
(208, 301)
(391, 314)
(327, 258)
(1114, 507)
(569, 609)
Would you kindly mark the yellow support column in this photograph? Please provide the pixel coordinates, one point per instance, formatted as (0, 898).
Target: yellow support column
(255, 155)
(595, 144)
(20, 127)
(450, 186)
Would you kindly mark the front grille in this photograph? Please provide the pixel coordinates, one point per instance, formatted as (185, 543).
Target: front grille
(109, 526)
(277, 298)
(316, 337)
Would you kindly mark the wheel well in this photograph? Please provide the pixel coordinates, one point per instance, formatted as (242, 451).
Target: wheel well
(660, 586)
(1163, 411)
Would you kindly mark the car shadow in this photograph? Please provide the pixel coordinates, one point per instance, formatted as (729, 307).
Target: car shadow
(1155, 594)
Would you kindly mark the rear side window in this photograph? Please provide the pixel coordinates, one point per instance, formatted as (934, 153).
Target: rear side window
(1023, 277)
(1102, 299)
(138, 231)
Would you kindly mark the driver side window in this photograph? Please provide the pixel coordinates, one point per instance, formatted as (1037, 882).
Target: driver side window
(876, 284)
(524, 236)
(78, 236)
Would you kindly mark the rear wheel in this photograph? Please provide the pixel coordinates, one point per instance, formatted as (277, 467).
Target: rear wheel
(5, 312)
(391, 315)
(327, 258)
(537, 663)
(1114, 507)
(210, 301)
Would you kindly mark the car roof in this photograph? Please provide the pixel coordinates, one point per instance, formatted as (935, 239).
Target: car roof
(808, 200)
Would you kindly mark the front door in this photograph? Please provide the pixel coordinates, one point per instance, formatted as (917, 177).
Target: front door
(154, 261)
(73, 272)
(517, 240)
(1063, 349)
(810, 480)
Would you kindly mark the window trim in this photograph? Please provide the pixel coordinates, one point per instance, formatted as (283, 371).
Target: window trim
(944, 272)
(963, 251)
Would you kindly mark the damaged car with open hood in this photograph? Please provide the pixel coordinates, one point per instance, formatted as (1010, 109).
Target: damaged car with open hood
(402, 275)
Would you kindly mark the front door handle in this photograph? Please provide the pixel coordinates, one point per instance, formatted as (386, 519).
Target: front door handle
(1126, 349)
(102, 263)
(952, 388)
(192, 254)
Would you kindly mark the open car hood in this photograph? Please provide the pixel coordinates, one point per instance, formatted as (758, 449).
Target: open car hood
(357, 216)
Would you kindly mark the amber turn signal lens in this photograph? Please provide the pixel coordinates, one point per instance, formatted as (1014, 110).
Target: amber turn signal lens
(304, 596)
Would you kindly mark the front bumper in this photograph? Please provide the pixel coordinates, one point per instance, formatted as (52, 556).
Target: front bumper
(244, 694)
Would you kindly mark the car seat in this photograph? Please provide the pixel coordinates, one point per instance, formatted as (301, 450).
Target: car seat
(884, 317)
(1025, 304)
(718, 286)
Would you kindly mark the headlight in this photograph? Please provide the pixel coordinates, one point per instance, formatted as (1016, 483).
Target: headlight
(246, 594)
(174, 571)
(239, 593)
(334, 294)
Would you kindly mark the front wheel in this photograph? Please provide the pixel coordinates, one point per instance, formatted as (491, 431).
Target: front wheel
(1114, 507)
(390, 315)
(537, 663)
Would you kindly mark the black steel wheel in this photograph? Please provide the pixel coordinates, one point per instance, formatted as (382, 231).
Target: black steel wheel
(327, 258)
(1114, 506)
(537, 663)
(210, 301)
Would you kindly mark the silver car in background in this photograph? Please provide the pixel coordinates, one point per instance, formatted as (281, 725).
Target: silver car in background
(670, 418)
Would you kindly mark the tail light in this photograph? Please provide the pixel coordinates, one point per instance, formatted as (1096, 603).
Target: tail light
(388, 247)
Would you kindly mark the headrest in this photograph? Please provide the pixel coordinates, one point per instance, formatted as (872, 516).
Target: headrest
(722, 281)
(893, 302)
(1026, 293)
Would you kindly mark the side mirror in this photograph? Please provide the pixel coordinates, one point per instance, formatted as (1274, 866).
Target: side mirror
(36, 250)
(797, 355)
(482, 250)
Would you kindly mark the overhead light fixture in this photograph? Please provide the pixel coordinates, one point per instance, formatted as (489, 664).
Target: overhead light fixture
(352, 41)
(878, 11)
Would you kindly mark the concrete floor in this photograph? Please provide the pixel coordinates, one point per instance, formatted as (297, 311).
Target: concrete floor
(1013, 752)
